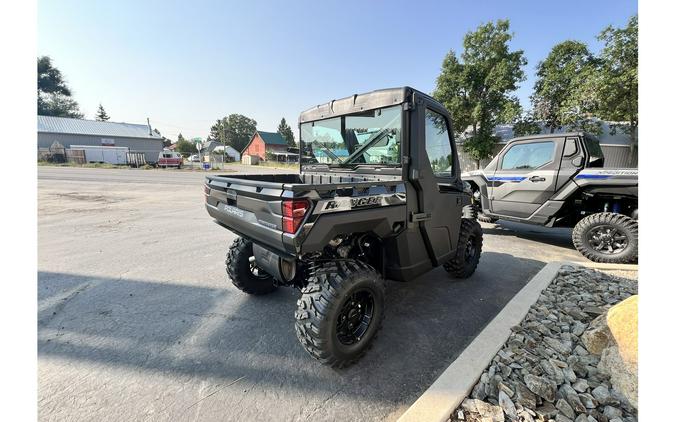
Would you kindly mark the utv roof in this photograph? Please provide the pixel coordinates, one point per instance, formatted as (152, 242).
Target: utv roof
(553, 135)
(362, 102)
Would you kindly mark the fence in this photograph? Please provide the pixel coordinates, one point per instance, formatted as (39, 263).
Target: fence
(616, 156)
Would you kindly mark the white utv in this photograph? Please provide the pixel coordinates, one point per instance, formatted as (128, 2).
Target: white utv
(558, 180)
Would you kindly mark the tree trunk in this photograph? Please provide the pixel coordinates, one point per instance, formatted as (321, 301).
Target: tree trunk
(477, 164)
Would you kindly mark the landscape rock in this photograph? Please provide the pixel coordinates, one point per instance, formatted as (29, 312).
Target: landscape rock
(558, 364)
(565, 408)
(597, 335)
(485, 410)
(546, 411)
(612, 412)
(588, 400)
(525, 397)
(542, 387)
(507, 405)
(601, 394)
(580, 385)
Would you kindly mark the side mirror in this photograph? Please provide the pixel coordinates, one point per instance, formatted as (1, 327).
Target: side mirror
(578, 161)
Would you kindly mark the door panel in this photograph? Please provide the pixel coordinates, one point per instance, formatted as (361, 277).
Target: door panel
(525, 177)
(567, 171)
(438, 185)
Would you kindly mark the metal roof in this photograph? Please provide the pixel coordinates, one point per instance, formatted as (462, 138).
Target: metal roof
(272, 138)
(50, 124)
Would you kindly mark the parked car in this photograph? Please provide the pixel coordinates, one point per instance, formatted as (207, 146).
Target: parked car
(170, 159)
(194, 158)
(338, 229)
(558, 180)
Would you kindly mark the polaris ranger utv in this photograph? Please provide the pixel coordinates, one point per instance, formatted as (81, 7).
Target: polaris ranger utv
(379, 196)
(558, 180)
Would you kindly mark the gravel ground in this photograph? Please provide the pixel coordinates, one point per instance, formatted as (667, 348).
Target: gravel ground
(543, 372)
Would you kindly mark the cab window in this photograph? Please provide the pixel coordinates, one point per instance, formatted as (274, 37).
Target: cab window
(437, 143)
(528, 156)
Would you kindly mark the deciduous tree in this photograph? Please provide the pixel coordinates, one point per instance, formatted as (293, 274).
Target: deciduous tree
(557, 93)
(478, 90)
(235, 130)
(617, 85)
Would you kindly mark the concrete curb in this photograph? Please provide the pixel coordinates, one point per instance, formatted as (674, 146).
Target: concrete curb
(615, 267)
(455, 383)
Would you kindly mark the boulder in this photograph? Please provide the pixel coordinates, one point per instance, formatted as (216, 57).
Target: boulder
(619, 360)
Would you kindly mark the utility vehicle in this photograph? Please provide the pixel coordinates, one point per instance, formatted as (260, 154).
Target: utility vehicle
(379, 196)
(558, 180)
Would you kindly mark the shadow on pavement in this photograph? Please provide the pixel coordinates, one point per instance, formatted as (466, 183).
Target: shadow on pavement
(223, 334)
(557, 236)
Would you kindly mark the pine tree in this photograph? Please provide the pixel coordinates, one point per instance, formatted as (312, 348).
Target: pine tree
(286, 132)
(101, 115)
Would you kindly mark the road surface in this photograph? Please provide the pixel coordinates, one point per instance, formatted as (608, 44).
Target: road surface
(138, 321)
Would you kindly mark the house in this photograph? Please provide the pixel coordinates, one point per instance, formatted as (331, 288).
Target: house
(139, 138)
(263, 143)
(220, 148)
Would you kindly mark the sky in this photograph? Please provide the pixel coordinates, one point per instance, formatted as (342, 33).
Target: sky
(185, 64)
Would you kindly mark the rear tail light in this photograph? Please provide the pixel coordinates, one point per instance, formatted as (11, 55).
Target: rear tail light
(207, 191)
(293, 211)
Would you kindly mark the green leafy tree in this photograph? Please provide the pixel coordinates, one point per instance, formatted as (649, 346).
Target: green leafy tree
(560, 78)
(286, 132)
(101, 114)
(235, 130)
(478, 90)
(53, 94)
(184, 146)
(617, 81)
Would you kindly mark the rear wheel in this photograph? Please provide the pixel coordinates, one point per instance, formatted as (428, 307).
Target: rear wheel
(340, 312)
(607, 237)
(244, 273)
(469, 248)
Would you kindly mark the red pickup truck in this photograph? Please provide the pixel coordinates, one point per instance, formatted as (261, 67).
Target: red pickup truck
(170, 159)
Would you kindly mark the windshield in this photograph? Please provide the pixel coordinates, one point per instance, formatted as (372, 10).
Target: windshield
(372, 137)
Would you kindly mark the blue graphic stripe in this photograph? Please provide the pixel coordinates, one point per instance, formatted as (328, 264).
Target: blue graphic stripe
(593, 176)
(506, 178)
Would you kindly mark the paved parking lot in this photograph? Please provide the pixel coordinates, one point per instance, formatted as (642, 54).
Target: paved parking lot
(137, 320)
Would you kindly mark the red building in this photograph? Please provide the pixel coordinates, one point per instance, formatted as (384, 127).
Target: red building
(265, 142)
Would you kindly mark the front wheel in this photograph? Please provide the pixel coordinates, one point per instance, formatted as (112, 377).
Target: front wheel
(244, 273)
(469, 248)
(340, 312)
(607, 237)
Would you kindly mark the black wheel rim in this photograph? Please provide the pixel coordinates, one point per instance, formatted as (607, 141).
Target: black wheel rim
(607, 240)
(256, 271)
(470, 251)
(355, 317)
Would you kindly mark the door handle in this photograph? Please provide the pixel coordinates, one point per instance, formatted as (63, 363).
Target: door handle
(537, 179)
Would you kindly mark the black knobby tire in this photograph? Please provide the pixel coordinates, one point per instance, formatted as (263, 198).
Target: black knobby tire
(485, 219)
(470, 212)
(607, 237)
(321, 321)
(469, 248)
(243, 273)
